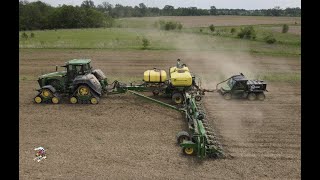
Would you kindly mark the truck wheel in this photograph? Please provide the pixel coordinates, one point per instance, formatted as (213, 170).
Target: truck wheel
(197, 98)
(252, 96)
(183, 135)
(261, 96)
(227, 96)
(155, 92)
(177, 98)
(188, 151)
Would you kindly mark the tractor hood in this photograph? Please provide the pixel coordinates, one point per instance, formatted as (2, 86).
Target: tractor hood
(54, 74)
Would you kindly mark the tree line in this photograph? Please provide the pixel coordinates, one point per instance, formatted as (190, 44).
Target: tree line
(39, 15)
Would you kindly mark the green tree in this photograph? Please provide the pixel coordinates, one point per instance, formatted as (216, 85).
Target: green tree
(87, 4)
(233, 30)
(213, 10)
(168, 10)
(212, 28)
(145, 43)
(247, 32)
(143, 9)
(24, 35)
(270, 39)
(34, 15)
(285, 28)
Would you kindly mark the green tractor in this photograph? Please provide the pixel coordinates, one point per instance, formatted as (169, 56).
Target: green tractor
(79, 82)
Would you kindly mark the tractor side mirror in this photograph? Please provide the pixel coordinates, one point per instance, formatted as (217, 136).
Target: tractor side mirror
(56, 67)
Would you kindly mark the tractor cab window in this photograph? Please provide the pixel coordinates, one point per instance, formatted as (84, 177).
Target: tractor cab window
(74, 70)
(71, 71)
(79, 69)
(231, 83)
(86, 68)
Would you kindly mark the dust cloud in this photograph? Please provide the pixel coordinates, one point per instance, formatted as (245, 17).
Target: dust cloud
(208, 58)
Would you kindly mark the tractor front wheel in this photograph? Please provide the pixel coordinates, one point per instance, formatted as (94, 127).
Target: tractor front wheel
(188, 151)
(252, 96)
(46, 93)
(37, 99)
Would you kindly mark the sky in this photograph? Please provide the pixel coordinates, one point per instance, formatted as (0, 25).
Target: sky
(202, 4)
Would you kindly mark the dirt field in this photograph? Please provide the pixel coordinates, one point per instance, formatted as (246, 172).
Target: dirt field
(126, 137)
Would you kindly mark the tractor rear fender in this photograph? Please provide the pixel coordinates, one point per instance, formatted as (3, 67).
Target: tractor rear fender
(51, 88)
(89, 80)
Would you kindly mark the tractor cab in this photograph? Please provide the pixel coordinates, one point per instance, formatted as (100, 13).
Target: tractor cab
(77, 67)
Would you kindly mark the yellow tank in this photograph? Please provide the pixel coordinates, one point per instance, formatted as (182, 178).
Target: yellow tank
(172, 69)
(155, 75)
(181, 77)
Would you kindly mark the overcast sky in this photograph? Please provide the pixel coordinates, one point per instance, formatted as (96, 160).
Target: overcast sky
(203, 4)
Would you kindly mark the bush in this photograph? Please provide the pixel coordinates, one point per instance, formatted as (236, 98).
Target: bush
(169, 25)
(24, 35)
(247, 32)
(233, 30)
(270, 39)
(32, 35)
(285, 28)
(145, 43)
(212, 28)
(201, 30)
(180, 26)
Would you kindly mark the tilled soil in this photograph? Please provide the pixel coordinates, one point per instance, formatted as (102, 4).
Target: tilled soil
(127, 137)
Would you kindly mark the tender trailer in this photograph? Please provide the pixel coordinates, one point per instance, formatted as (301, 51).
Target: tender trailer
(238, 86)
